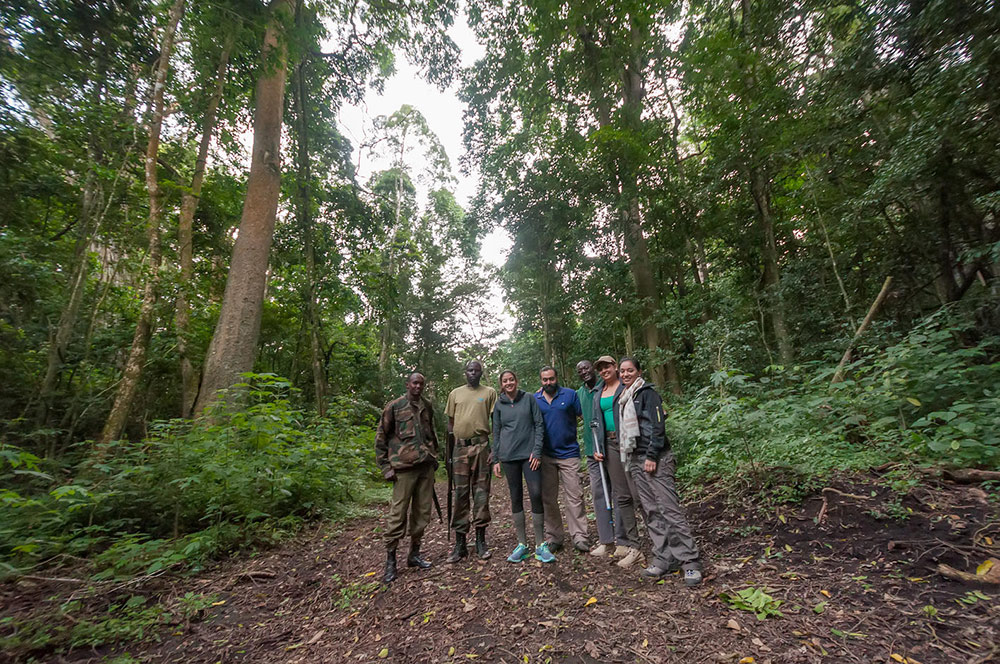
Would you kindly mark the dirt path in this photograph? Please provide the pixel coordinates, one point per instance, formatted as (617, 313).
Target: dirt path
(854, 588)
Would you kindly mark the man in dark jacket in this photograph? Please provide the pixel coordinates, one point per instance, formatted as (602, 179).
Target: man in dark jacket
(406, 450)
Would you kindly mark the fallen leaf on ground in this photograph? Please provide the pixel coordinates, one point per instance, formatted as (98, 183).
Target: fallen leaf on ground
(733, 625)
(592, 600)
(825, 593)
(383, 653)
(747, 660)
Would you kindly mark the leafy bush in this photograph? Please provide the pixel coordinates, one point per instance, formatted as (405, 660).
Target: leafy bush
(190, 490)
(932, 397)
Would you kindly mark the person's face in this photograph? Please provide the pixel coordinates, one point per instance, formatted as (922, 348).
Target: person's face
(508, 383)
(608, 372)
(415, 386)
(585, 370)
(549, 382)
(473, 373)
(628, 373)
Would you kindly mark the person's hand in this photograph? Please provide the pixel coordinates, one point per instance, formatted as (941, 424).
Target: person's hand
(496, 470)
(598, 456)
(389, 475)
(534, 462)
(649, 466)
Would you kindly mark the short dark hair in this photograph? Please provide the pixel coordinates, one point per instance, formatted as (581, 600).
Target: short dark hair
(629, 358)
(474, 361)
(548, 368)
(504, 373)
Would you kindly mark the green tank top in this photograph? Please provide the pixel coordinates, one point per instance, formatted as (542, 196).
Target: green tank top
(609, 414)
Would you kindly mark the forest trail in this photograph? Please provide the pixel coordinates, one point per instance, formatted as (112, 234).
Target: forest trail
(853, 588)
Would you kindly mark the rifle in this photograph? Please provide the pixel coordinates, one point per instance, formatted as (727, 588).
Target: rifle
(600, 467)
(437, 505)
(449, 462)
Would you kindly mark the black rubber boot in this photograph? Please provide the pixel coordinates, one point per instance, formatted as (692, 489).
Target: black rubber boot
(460, 551)
(482, 549)
(414, 559)
(390, 566)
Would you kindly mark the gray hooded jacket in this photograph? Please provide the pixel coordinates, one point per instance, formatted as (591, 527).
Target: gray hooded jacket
(517, 428)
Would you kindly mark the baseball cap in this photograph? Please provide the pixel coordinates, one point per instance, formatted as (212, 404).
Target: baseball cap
(604, 359)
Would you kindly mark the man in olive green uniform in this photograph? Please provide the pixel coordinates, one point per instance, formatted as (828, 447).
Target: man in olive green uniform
(469, 412)
(406, 450)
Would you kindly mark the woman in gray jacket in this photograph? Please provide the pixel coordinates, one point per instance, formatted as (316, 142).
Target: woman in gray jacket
(517, 449)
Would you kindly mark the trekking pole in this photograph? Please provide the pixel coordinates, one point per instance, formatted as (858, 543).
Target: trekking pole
(449, 462)
(600, 468)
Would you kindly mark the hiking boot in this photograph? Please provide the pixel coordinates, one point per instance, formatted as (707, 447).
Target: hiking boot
(581, 545)
(520, 553)
(601, 551)
(460, 551)
(554, 547)
(621, 551)
(692, 577)
(390, 566)
(543, 554)
(414, 559)
(632, 557)
(482, 549)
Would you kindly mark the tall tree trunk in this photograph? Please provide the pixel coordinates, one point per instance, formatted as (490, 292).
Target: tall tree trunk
(759, 188)
(129, 383)
(304, 214)
(234, 343)
(640, 264)
(185, 236)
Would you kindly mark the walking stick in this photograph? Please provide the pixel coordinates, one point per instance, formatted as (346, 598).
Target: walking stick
(449, 462)
(600, 467)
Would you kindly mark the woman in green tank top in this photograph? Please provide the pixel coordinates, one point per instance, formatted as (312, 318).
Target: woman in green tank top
(622, 488)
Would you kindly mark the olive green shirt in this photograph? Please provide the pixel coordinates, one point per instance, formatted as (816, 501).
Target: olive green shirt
(472, 410)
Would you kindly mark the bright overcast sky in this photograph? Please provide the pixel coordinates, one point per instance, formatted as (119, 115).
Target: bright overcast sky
(443, 112)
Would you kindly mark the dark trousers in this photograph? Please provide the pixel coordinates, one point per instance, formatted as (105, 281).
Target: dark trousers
(625, 495)
(411, 493)
(514, 471)
(666, 522)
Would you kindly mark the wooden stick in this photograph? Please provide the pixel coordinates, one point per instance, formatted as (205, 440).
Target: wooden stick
(838, 376)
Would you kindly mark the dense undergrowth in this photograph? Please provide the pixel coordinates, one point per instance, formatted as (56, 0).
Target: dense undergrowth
(931, 398)
(188, 492)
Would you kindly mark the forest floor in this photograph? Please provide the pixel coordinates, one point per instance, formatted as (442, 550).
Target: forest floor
(852, 565)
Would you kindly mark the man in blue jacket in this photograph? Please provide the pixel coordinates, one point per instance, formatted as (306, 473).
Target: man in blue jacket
(560, 408)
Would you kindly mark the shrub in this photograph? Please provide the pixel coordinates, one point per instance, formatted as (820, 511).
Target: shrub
(191, 489)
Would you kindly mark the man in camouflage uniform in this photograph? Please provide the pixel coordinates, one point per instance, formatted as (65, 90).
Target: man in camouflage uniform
(406, 450)
(469, 411)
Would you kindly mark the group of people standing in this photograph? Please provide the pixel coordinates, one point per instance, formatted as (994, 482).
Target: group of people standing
(535, 445)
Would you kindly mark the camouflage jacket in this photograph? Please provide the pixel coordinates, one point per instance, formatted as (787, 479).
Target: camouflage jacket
(405, 436)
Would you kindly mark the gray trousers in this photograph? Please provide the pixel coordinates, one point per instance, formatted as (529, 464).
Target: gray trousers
(624, 491)
(666, 522)
(605, 531)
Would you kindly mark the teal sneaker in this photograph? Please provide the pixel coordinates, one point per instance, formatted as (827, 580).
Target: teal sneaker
(520, 553)
(543, 554)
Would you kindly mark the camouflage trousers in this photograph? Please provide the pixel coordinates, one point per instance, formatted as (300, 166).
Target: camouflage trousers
(470, 471)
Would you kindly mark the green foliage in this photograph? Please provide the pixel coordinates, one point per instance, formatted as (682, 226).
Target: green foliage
(73, 624)
(254, 470)
(932, 397)
(754, 600)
